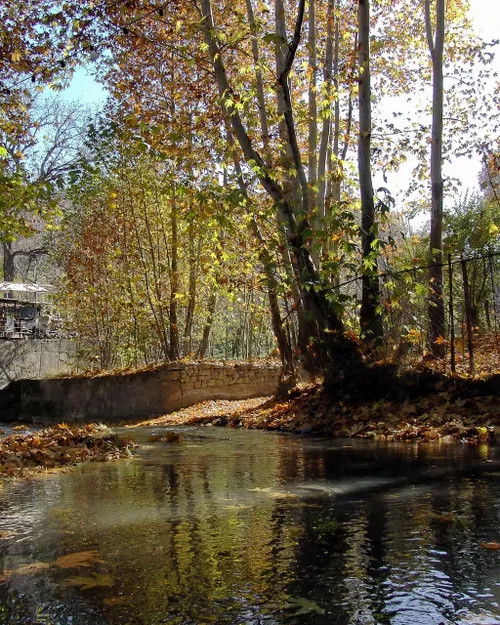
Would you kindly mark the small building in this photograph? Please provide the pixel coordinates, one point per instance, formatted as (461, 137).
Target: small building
(21, 317)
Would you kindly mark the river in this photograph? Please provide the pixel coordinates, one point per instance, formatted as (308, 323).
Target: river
(243, 527)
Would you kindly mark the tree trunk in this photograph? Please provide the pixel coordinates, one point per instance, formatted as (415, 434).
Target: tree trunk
(212, 303)
(188, 328)
(337, 173)
(370, 318)
(342, 356)
(9, 266)
(313, 128)
(174, 287)
(264, 127)
(327, 122)
(436, 298)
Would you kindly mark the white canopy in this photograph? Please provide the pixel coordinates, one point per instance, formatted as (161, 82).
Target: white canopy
(24, 288)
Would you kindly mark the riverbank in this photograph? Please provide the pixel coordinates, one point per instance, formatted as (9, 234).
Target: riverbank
(427, 409)
(24, 454)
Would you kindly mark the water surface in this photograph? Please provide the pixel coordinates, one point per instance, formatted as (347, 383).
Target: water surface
(241, 528)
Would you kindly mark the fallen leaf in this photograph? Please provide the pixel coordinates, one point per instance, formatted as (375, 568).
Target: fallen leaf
(32, 568)
(78, 559)
(97, 580)
(492, 545)
(301, 607)
(237, 507)
(4, 534)
(114, 600)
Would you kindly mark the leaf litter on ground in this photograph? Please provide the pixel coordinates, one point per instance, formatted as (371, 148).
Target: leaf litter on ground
(452, 410)
(22, 455)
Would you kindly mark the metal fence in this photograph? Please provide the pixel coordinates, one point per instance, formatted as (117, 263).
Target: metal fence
(471, 292)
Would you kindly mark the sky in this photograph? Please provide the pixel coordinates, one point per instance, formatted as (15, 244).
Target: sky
(486, 18)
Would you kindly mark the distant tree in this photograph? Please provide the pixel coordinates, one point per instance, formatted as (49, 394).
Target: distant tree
(40, 139)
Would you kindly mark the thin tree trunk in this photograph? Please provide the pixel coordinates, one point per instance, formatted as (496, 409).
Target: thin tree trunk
(452, 316)
(436, 298)
(273, 281)
(337, 174)
(468, 314)
(371, 321)
(188, 328)
(327, 122)
(212, 303)
(258, 78)
(313, 128)
(174, 287)
(193, 261)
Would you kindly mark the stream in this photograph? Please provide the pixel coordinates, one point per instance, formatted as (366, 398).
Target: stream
(246, 527)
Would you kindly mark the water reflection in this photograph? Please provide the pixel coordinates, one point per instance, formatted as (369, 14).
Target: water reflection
(251, 527)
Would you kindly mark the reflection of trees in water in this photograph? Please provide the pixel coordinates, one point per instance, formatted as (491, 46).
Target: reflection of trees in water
(191, 541)
(186, 538)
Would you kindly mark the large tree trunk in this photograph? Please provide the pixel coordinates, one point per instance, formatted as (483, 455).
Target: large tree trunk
(308, 331)
(9, 266)
(371, 321)
(341, 354)
(436, 297)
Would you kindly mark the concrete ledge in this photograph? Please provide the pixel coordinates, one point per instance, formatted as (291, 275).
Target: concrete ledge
(35, 358)
(134, 395)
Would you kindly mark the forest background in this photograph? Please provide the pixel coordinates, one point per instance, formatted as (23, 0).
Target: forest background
(221, 202)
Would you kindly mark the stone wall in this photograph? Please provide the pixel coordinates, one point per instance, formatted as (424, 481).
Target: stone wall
(35, 358)
(135, 395)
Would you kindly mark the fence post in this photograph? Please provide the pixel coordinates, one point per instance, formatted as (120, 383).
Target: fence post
(493, 298)
(452, 320)
(468, 316)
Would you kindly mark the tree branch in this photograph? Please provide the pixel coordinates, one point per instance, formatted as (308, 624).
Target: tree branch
(287, 113)
(428, 27)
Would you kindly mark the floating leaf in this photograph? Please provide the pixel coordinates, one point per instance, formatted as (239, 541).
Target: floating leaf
(78, 559)
(491, 545)
(301, 607)
(114, 600)
(4, 534)
(97, 580)
(32, 568)
(237, 507)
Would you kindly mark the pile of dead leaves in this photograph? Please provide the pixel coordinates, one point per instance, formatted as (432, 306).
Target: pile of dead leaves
(442, 415)
(204, 412)
(60, 446)
(486, 358)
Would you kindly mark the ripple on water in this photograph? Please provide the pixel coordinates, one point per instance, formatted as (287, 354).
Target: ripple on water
(252, 527)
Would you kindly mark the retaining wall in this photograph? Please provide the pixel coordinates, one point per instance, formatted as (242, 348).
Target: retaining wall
(135, 395)
(35, 358)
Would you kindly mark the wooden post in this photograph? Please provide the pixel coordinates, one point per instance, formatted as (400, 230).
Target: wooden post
(452, 319)
(468, 316)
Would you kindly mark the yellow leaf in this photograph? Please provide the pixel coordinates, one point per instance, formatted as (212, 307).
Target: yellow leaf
(98, 580)
(491, 545)
(78, 559)
(31, 569)
(16, 56)
(114, 600)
